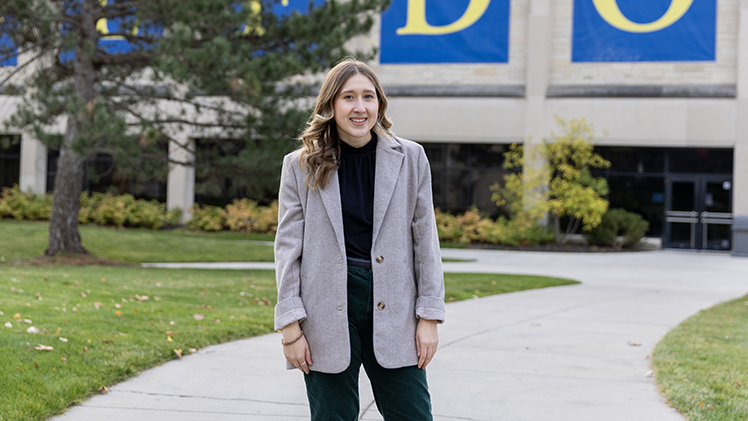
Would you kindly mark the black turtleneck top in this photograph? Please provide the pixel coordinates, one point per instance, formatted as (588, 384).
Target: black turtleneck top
(356, 177)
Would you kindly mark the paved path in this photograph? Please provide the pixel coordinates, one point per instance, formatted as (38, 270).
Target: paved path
(554, 354)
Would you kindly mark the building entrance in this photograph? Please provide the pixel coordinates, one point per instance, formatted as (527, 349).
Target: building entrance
(698, 212)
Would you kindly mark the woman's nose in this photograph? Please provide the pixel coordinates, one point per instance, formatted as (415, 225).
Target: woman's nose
(359, 106)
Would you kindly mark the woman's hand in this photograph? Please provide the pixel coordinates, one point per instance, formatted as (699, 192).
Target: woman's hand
(427, 338)
(298, 352)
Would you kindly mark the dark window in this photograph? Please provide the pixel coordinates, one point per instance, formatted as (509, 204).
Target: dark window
(712, 161)
(464, 173)
(10, 160)
(102, 175)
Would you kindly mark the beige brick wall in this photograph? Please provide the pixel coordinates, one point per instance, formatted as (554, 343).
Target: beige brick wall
(722, 71)
(512, 73)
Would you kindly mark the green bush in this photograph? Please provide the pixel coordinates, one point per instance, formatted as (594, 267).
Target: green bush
(206, 218)
(245, 216)
(19, 205)
(618, 228)
(98, 208)
(472, 228)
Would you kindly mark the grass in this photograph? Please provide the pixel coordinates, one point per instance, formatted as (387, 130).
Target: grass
(29, 239)
(463, 286)
(702, 365)
(103, 328)
(112, 331)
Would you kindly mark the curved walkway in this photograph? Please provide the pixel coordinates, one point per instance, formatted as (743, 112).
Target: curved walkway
(567, 353)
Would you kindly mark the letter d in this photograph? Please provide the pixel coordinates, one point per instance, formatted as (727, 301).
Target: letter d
(416, 23)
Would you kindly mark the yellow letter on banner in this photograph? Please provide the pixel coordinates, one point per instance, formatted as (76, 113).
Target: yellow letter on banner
(416, 21)
(609, 11)
(102, 27)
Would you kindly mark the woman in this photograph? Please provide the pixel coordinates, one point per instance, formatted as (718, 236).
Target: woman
(357, 255)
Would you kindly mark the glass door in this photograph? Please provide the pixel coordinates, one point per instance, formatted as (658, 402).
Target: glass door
(698, 213)
(681, 215)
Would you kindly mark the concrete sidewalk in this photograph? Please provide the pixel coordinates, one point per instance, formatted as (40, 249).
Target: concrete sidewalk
(566, 353)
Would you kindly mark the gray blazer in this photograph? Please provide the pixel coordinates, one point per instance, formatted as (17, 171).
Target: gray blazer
(310, 258)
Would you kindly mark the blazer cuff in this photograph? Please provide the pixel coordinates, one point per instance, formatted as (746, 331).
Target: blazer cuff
(431, 308)
(288, 311)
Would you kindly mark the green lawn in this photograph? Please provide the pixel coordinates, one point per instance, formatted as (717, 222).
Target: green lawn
(702, 365)
(29, 239)
(107, 323)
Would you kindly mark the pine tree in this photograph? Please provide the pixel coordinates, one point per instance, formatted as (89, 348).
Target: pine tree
(125, 75)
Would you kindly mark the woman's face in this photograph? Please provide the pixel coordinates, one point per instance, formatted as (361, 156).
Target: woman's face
(356, 107)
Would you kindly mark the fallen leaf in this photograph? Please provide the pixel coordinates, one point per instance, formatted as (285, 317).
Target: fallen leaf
(118, 305)
(103, 390)
(85, 348)
(36, 365)
(629, 343)
(172, 323)
(198, 316)
(710, 407)
(44, 348)
(170, 333)
(98, 304)
(193, 350)
(33, 329)
(168, 338)
(82, 294)
(25, 321)
(179, 353)
(157, 298)
(16, 316)
(142, 297)
(64, 339)
(8, 324)
(107, 341)
(649, 373)
(118, 313)
(217, 321)
(701, 404)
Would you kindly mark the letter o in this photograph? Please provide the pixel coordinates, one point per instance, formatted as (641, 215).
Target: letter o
(611, 13)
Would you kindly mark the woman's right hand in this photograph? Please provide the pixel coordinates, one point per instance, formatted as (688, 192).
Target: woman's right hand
(297, 353)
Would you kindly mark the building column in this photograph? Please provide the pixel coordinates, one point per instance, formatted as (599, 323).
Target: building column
(740, 163)
(180, 188)
(33, 175)
(537, 74)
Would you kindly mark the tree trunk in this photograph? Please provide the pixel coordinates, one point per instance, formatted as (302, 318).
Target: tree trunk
(63, 222)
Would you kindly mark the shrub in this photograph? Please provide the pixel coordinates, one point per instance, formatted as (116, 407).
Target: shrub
(19, 205)
(471, 227)
(629, 226)
(207, 218)
(245, 216)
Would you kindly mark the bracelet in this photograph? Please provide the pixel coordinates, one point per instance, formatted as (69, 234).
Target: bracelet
(292, 341)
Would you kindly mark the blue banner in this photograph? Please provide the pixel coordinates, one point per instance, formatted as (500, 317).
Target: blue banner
(286, 7)
(6, 48)
(445, 31)
(644, 30)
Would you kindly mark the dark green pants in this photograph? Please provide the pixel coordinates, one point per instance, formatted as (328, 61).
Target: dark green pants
(401, 393)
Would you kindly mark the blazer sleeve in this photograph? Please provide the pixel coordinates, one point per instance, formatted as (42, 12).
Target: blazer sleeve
(426, 254)
(288, 248)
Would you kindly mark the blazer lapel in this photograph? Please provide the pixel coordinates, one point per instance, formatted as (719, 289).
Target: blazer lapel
(388, 160)
(331, 198)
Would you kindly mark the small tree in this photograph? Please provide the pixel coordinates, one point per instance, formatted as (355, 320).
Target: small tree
(559, 185)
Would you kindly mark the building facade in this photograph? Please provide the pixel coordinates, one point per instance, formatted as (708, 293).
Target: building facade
(663, 82)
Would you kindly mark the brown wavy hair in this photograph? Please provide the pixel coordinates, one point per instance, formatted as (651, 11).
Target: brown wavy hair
(320, 141)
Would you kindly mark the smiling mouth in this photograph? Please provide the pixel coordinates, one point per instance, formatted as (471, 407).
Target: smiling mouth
(358, 120)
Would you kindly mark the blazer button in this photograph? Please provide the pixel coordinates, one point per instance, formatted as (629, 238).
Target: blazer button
(380, 259)
(380, 306)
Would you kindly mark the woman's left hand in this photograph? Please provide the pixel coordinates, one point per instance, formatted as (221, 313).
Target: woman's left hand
(427, 338)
